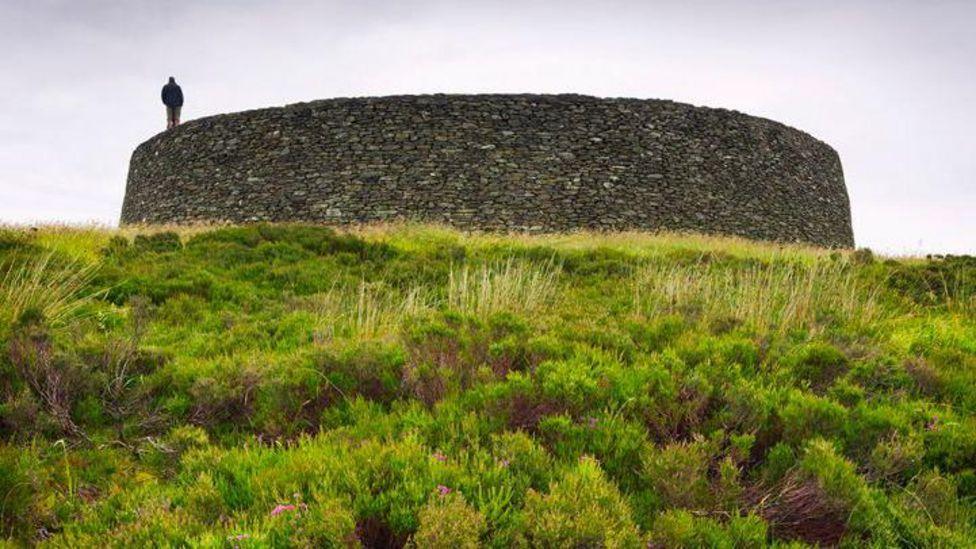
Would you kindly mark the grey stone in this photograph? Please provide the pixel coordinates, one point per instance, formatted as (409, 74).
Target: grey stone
(496, 162)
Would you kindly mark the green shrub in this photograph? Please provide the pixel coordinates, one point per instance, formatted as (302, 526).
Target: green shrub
(948, 281)
(11, 239)
(805, 416)
(450, 352)
(203, 501)
(527, 461)
(936, 495)
(166, 453)
(678, 474)
(866, 425)
(226, 397)
(325, 523)
(658, 333)
(24, 508)
(118, 246)
(330, 523)
(163, 242)
(615, 442)
(680, 528)
(950, 442)
(581, 509)
(695, 475)
(896, 458)
(844, 489)
(572, 383)
(448, 521)
(817, 364)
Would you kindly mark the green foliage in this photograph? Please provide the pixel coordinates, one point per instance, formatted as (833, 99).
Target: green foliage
(842, 486)
(291, 385)
(946, 281)
(678, 475)
(817, 364)
(23, 507)
(448, 521)
(680, 528)
(46, 286)
(155, 243)
(582, 509)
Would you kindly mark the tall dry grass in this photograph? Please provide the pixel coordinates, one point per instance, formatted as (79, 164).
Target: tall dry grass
(376, 310)
(364, 311)
(514, 286)
(959, 296)
(769, 297)
(56, 289)
(641, 244)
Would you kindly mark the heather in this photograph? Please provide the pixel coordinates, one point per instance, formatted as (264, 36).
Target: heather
(394, 385)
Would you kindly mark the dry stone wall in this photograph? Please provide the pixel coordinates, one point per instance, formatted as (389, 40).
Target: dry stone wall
(496, 162)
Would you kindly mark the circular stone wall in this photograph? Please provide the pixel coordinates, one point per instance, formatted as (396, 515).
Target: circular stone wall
(507, 162)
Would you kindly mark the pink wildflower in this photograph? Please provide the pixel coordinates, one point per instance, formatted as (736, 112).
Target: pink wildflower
(440, 457)
(443, 490)
(281, 509)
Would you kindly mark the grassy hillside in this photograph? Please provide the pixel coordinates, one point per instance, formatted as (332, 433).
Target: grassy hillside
(295, 386)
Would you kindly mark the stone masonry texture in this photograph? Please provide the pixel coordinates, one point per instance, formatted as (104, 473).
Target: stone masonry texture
(497, 162)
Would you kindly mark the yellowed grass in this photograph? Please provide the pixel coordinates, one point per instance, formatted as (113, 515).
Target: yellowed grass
(637, 243)
(55, 289)
(774, 297)
(366, 311)
(413, 235)
(512, 286)
(373, 310)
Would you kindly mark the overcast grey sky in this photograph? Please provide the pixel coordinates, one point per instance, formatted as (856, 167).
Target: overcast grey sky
(889, 83)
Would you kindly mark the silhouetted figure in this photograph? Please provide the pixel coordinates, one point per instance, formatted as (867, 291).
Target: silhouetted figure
(173, 99)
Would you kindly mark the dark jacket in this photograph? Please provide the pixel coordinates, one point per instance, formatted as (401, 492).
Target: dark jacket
(172, 95)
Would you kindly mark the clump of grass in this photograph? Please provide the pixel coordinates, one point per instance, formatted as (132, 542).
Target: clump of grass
(413, 235)
(364, 311)
(371, 310)
(79, 243)
(954, 288)
(53, 288)
(770, 297)
(510, 285)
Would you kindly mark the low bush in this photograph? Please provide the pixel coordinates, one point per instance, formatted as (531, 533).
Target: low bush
(448, 521)
(291, 385)
(680, 528)
(581, 509)
(817, 365)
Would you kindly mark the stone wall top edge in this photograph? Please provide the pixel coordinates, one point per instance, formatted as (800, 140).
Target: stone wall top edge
(202, 122)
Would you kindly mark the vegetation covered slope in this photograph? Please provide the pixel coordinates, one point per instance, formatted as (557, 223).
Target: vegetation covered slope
(294, 386)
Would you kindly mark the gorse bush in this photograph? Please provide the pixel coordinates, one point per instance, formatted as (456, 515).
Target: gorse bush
(386, 386)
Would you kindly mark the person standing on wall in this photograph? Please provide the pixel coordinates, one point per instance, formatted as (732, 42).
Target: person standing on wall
(173, 99)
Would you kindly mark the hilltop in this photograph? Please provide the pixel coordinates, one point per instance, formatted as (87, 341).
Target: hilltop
(294, 385)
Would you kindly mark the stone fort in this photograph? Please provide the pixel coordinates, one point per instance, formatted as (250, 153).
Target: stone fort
(497, 162)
